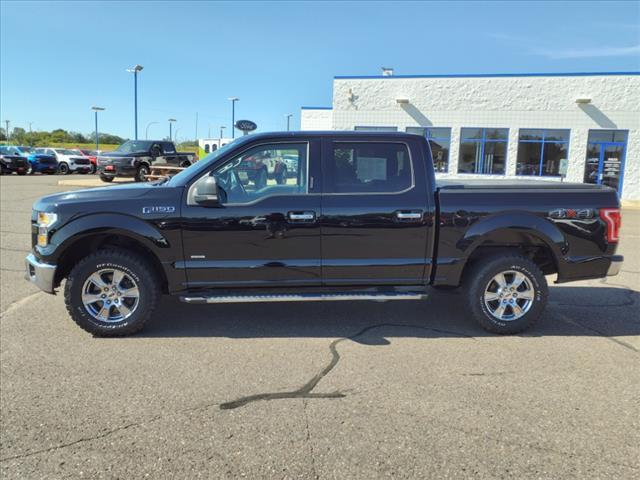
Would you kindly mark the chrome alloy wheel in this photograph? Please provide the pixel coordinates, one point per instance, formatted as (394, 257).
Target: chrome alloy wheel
(509, 295)
(110, 295)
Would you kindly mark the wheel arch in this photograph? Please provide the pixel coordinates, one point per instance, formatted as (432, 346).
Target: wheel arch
(84, 237)
(531, 236)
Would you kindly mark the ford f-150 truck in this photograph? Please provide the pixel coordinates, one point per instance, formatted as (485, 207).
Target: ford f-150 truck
(363, 219)
(135, 158)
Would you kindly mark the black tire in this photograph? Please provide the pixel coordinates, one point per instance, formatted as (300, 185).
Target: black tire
(63, 168)
(479, 279)
(104, 178)
(24, 172)
(93, 169)
(185, 164)
(135, 268)
(261, 178)
(141, 174)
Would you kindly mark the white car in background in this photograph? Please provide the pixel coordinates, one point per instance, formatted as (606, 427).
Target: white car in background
(68, 160)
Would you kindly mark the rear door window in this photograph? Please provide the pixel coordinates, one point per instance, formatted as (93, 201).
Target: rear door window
(369, 167)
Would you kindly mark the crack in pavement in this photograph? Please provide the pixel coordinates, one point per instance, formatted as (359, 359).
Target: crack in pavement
(75, 442)
(308, 439)
(306, 391)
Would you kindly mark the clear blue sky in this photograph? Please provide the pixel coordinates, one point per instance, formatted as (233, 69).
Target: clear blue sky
(57, 59)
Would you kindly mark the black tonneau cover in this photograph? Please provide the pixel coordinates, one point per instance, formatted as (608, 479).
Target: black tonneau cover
(493, 184)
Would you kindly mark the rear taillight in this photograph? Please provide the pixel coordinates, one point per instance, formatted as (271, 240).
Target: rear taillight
(613, 220)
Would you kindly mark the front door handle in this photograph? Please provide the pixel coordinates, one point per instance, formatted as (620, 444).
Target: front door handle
(409, 215)
(302, 216)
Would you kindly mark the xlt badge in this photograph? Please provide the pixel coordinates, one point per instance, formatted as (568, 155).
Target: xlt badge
(158, 209)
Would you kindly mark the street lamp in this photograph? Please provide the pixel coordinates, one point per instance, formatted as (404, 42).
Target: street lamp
(288, 115)
(96, 110)
(171, 120)
(233, 115)
(6, 132)
(146, 130)
(175, 139)
(135, 69)
(222, 127)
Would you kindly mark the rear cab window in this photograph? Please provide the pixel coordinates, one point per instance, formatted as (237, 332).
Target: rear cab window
(369, 167)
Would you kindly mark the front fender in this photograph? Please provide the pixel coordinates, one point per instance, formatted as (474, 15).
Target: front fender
(108, 224)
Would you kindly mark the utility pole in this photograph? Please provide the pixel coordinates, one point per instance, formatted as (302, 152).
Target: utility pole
(171, 120)
(233, 116)
(6, 132)
(96, 110)
(288, 115)
(135, 69)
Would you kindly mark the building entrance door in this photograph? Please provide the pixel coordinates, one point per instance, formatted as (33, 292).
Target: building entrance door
(605, 159)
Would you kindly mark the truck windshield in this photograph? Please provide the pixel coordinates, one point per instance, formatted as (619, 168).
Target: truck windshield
(133, 146)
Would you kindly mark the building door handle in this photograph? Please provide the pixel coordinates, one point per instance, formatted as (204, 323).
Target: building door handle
(409, 215)
(302, 217)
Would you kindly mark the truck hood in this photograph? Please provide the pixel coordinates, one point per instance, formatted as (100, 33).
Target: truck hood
(96, 199)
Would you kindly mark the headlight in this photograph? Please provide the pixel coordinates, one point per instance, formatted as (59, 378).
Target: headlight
(45, 221)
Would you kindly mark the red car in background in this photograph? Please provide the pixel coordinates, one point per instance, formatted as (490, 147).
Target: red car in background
(93, 157)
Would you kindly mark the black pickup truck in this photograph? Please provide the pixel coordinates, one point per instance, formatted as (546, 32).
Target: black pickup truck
(363, 219)
(134, 158)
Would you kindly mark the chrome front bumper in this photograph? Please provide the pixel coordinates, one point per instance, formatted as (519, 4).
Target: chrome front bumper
(42, 275)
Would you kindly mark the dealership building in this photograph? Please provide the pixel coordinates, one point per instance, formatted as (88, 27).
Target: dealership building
(582, 127)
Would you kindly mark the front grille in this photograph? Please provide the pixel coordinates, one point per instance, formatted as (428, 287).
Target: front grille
(81, 161)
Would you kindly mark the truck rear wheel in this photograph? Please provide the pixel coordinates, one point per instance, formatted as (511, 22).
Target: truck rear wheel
(105, 178)
(112, 292)
(506, 293)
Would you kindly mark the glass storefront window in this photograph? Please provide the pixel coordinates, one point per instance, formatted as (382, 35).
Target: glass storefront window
(483, 150)
(604, 164)
(542, 152)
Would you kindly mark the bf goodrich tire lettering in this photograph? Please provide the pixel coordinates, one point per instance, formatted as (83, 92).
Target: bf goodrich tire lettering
(514, 305)
(108, 323)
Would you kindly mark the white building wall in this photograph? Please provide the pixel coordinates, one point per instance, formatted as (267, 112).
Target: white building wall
(314, 118)
(498, 102)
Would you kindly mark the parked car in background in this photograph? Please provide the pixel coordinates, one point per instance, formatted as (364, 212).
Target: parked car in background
(11, 161)
(259, 168)
(39, 162)
(92, 155)
(135, 158)
(68, 160)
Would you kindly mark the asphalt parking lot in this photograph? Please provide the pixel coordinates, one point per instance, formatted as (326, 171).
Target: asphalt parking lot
(344, 390)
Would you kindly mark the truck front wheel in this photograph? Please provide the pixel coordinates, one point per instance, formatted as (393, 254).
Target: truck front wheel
(112, 292)
(506, 293)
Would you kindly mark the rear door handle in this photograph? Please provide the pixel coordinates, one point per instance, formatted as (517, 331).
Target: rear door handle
(409, 215)
(302, 216)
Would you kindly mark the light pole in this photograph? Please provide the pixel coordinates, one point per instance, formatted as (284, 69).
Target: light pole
(175, 139)
(95, 111)
(171, 120)
(7, 130)
(233, 116)
(146, 130)
(222, 127)
(288, 115)
(30, 135)
(135, 69)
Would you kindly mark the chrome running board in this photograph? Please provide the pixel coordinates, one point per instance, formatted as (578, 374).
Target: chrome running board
(305, 297)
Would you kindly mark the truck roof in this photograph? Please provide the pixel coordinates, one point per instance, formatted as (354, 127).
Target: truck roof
(329, 133)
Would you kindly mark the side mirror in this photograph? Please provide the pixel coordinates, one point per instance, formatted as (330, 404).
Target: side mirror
(206, 192)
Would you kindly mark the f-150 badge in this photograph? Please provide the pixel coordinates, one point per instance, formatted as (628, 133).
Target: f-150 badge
(158, 209)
